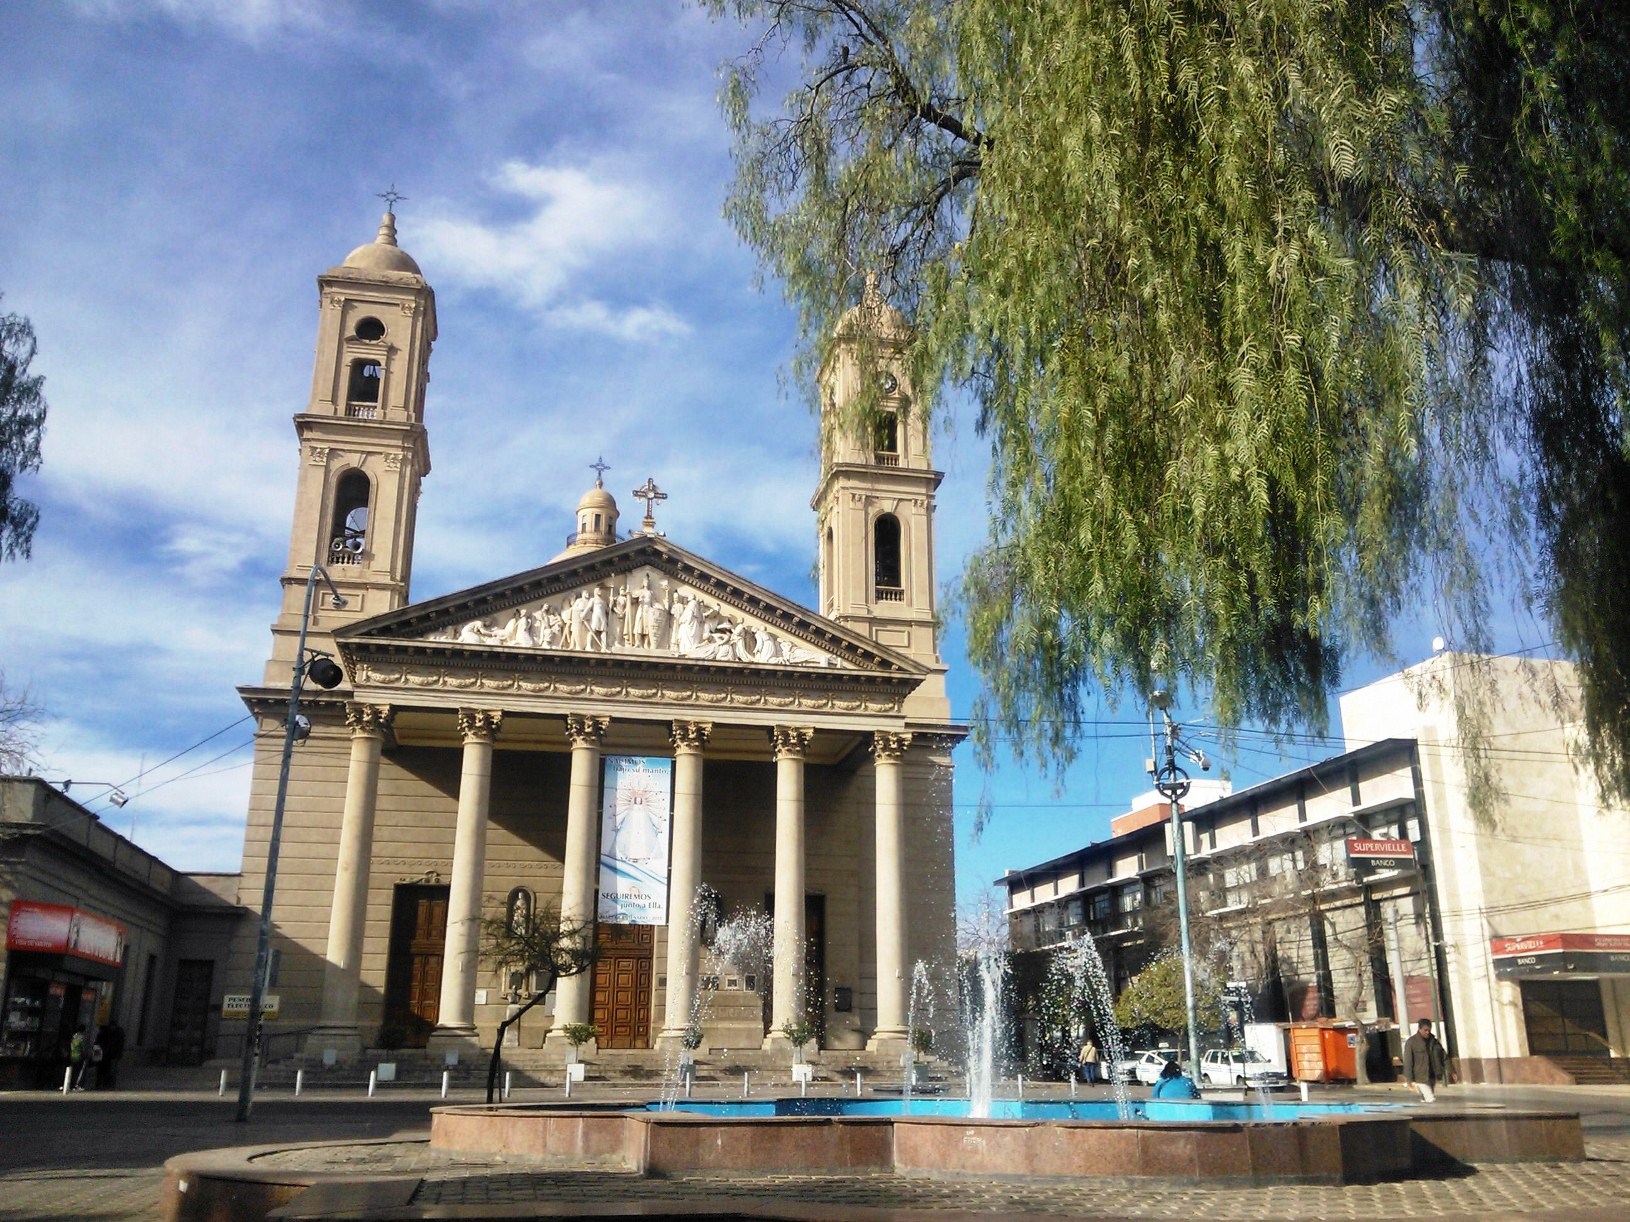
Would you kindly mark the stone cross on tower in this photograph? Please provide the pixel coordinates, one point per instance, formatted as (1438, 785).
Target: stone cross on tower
(599, 466)
(650, 494)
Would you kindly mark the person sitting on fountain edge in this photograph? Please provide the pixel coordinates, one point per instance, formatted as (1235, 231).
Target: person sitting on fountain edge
(1172, 1084)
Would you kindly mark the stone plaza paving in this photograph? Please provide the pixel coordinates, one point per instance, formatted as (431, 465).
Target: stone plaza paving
(90, 1158)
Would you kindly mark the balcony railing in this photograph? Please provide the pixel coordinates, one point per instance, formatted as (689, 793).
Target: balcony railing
(890, 594)
(362, 411)
(886, 458)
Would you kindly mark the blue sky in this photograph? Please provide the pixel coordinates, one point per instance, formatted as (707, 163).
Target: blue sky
(173, 176)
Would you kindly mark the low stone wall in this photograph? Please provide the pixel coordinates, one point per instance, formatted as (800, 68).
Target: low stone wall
(1328, 1150)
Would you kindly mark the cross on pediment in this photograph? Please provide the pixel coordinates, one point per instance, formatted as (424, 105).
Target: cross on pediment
(650, 494)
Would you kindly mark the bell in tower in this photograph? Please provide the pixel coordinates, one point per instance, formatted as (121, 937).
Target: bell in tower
(363, 446)
(875, 500)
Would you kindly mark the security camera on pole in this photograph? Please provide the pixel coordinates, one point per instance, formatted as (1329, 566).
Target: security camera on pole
(1172, 783)
(325, 673)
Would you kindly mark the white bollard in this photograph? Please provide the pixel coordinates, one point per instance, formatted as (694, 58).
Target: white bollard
(507, 1077)
(1072, 1086)
(690, 1080)
(1303, 1085)
(444, 1076)
(373, 1081)
(744, 1083)
(68, 1079)
(299, 1081)
(1021, 1086)
(803, 1087)
(568, 1083)
(857, 1084)
(222, 1089)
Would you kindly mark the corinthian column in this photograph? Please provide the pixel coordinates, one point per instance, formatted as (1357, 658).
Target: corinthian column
(579, 882)
(689, 739)
(893, 982)
(343, 958)
(787, 1001)
(455, 1022)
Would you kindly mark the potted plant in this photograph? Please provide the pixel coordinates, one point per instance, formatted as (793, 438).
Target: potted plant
(577, 1034)
(798, 1033)
(922, 1041)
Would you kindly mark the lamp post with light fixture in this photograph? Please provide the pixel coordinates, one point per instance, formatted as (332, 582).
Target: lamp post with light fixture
(322, 670)
(117, 795)
(1172, 783)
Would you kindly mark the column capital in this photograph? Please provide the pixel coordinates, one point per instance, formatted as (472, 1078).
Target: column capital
(790, 742)
(586, 731)
(479, 724)
(690, 736)
(368, 718)
(890, 748)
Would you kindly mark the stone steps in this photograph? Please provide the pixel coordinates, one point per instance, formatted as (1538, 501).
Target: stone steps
(1594, 1071)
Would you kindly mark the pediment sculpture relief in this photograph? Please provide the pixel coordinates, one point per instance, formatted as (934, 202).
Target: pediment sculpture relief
(640, 614)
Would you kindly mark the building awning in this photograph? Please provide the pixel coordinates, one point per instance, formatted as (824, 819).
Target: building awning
(57, 929)
(1556, 954)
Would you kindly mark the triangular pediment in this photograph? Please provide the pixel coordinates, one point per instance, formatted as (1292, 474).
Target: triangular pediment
(645, 600)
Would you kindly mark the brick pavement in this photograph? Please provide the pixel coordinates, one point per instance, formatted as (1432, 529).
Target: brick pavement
(112, 1173)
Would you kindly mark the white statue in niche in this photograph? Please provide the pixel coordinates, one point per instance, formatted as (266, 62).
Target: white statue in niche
(657, 618)
(578, 618)
(519, 629)
(690, 623)
(550, 627)
(597, 622)
(768, 648)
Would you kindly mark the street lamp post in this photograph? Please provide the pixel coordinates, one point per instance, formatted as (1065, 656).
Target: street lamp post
(324, 672)
(1172, 783)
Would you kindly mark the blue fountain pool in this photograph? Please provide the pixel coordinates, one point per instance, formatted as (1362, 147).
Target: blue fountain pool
(1014, 1109)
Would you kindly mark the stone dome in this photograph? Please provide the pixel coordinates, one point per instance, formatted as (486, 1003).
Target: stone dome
(383, 254)
(596, 520)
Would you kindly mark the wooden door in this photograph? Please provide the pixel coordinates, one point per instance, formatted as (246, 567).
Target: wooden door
(189, 1011)
(622, 985)
(413, 974)
(814, 967)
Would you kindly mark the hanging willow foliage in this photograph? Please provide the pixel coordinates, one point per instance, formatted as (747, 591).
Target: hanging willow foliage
(1282, 316)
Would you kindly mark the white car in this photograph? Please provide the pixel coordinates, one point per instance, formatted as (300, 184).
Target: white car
(1240, 1067)
(1148, 1066)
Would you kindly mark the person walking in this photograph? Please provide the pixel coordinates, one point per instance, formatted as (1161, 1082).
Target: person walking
(1089, 1062)
(1425, 1062)
(111, 1041)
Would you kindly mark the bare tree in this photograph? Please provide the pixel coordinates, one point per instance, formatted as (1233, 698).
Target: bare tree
(19, 714)
(531, 952)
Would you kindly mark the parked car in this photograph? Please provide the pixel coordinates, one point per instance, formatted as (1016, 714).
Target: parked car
(1149, 1065)
(1123, 1070)
(1240, 1067)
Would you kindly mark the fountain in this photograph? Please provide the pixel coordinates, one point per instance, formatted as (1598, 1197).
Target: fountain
(984, 1135)
(741, 944)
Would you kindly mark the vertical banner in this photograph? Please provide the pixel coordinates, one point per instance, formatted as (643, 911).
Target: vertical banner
(634, 817)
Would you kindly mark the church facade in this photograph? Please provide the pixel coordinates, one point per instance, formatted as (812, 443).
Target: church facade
(629, 735)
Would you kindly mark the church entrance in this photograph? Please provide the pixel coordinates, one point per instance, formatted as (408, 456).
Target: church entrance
(413, 971)
(622, 985)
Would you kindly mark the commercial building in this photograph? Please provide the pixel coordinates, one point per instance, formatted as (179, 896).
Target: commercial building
(99, 930)
(1374, 887)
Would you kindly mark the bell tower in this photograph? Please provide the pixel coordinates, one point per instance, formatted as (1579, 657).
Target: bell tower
(875, 501)
(363, 447)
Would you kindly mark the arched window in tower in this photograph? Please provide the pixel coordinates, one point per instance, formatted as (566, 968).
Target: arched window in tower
(886, 440)
(349, 535)
(362, 395)
(886, 559)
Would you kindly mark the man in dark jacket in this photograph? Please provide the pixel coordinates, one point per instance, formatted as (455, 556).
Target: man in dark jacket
(1425, 1062)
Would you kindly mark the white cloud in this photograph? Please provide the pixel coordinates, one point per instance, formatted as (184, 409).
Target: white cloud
(580, 222)
(250, 20)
